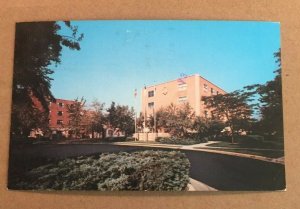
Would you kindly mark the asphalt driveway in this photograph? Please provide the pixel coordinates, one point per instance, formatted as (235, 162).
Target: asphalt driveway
(222, 172)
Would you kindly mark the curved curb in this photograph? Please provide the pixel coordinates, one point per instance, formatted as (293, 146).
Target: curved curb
(195, 185)
(203, 149)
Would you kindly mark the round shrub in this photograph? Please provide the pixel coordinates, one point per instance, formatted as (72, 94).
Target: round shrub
(143, 170)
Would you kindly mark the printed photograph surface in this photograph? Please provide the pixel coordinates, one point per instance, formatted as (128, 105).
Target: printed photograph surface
(132, 105)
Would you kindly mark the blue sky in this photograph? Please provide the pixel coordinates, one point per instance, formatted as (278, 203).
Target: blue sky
(118, 56)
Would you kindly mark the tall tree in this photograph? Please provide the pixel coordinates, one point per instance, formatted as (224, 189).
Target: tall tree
(208, 127)
(232, 108)
(176, 120)
(97, 118)
(122, 117)
(77, 116)
(38, 45)
(270, 101)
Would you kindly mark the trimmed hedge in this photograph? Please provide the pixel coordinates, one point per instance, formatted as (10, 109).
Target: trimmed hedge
(144, 170)
(180, 141)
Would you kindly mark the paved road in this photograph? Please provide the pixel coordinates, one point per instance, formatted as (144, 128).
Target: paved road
(222, 172)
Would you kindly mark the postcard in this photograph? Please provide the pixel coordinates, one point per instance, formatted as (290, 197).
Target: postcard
(147, 105)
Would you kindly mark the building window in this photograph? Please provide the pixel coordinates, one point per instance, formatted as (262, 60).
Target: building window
(150, 104)
(217, 92)
(150, 93)
(205, 87)
(182, 86)
(59, 122)
(213, 92)
(59, 113)
(60, 104)
(182, 99)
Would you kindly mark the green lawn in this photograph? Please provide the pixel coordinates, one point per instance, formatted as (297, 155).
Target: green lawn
(272, 149)
(264, 153)
(250, 144)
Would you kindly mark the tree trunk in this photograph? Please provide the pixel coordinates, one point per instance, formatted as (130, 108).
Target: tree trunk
(232, 133)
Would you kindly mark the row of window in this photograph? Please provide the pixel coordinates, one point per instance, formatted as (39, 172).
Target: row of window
(212, 91)
(60, 104)
(183, 86)
(59, 113)
(180, 99)
(58, 122)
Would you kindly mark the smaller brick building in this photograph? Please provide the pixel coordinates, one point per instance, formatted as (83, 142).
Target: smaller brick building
(58, 114)
(58, 118)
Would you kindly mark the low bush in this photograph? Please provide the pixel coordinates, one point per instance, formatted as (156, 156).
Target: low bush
(144, 170)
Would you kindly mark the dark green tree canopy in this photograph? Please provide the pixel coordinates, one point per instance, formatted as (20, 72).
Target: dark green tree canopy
(270, 101)
(38, 45)
(122, 117)
(233, 108)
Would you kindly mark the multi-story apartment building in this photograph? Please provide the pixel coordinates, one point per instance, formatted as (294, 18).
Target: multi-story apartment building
(59, 122)
(58, 114)
(185, 89)
(58, 118)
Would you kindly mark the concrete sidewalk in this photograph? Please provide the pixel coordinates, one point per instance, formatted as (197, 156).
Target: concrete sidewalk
(195, 185)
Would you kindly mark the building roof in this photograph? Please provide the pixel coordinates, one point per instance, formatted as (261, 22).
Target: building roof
(185, 77)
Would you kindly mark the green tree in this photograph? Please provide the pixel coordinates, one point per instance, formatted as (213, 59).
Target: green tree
(270, 101)
(112, 117)
(97, 118)
(38, 45)
(208, 127)
(122, 117)
(232, 108)
(176, 120)
(77, 116)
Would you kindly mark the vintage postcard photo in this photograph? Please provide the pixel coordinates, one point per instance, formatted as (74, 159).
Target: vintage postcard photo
(158, 105)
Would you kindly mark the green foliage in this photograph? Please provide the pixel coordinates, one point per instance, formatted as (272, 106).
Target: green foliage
(26, 117)
(233, 108)
(270, 102)
(207, 127)
(145, 170)
(76, 115)
(122, 117)
(181, 141)
(37, 46)
(97, 118)
(178, 121)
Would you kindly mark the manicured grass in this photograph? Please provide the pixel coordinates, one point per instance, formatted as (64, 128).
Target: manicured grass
(250, 144)
(264, 153)
(142, 170)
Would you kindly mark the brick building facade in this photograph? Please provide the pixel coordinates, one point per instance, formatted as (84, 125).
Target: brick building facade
(185, 89)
